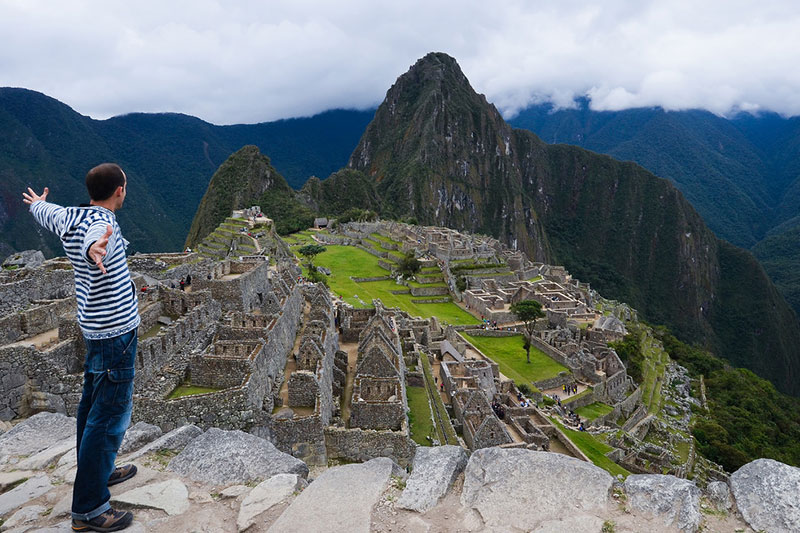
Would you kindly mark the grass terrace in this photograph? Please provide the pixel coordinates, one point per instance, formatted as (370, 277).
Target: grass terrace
(346, 262)
(653, 370)
(419, 416)
(594, 449)
(509, 354)
(188, 389)
(594, 410)
(581, 394)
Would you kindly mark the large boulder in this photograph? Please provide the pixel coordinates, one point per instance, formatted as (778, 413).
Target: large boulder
(24, 259)
(435, 470)
(176, 439)
(340, 500)
(523, 489)
(719, 494)
(39, 432)
(138, 435)
(223, 457)
(767, 494)
(675, 501)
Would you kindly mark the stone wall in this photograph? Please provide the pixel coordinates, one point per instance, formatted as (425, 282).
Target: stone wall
(218, 372)
(303, 389)
(19, 288)
(34, 381)
(365, 444)
(429, 291)
(227, 409)
(302, 437)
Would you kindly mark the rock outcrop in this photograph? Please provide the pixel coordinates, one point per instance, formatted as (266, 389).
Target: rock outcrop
(676, 502)
(341, 499)
(222, 457)
(435, 470)
(767, 494)
(522, 488)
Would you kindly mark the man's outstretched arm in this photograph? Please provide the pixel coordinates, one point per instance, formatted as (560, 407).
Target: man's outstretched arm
(51, 216)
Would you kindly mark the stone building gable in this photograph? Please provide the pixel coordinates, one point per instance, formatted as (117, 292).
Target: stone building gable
(310, 354)
(377, 362)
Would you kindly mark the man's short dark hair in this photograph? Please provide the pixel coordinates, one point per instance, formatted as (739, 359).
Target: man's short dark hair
(103, 180)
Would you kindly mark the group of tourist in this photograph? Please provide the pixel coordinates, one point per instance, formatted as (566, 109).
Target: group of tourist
(499, 409)
(573, 419)
(570, 389)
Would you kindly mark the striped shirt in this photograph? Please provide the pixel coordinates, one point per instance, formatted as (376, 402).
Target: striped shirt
(107, 303)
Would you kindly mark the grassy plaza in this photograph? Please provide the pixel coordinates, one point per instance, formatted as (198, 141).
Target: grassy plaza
(346, 262)
(509, 354)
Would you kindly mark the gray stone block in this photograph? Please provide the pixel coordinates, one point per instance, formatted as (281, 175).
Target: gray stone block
(719, 494)
(35, 434)
(224, 457)
(515, 488)
(138, 435)
(435, 470)
(767, 495)
(176, 439)
(675, 501)
(341, 499)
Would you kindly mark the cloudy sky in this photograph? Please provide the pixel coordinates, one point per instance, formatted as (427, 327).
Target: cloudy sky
(244, 61)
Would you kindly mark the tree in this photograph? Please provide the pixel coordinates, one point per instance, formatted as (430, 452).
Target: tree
(528, 311)
(309, 251)
(409, 265)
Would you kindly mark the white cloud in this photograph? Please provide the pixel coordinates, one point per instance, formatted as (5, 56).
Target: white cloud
(251, 61)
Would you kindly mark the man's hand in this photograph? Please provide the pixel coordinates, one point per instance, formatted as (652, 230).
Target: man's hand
(30, 196)
(97, 252)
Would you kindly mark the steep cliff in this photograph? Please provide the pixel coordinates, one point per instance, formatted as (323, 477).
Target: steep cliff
(440, 152)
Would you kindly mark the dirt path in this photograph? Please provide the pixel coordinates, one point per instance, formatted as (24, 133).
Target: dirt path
(291, 364)
(39, 341)
(352, 358)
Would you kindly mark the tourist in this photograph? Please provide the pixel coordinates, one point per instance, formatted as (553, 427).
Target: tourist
(188, 279)
(182, 283)
(108, 317)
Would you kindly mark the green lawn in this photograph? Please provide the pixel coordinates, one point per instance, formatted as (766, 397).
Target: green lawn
(347, 261)
(189, 390)
(594, 449)
(510, 355)
(654, 369)
(594, 410)
(419, 416)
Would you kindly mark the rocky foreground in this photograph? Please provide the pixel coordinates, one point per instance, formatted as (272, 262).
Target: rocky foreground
(216, 481)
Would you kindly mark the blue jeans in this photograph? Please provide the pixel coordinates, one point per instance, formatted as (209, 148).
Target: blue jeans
(103, 416)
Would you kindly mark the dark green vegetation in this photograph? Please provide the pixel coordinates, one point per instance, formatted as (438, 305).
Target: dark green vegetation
(741, 174)
(528, 312)
(168, 158)
(746, 418)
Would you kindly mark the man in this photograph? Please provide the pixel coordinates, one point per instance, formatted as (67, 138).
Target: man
(108, 317)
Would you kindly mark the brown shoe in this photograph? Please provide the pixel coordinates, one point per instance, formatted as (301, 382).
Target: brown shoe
(122, 473)
(111, 520)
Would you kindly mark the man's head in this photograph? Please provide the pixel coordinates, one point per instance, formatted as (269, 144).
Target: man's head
(107, 184)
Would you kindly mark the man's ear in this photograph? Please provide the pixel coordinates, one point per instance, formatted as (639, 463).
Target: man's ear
(118, 192)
